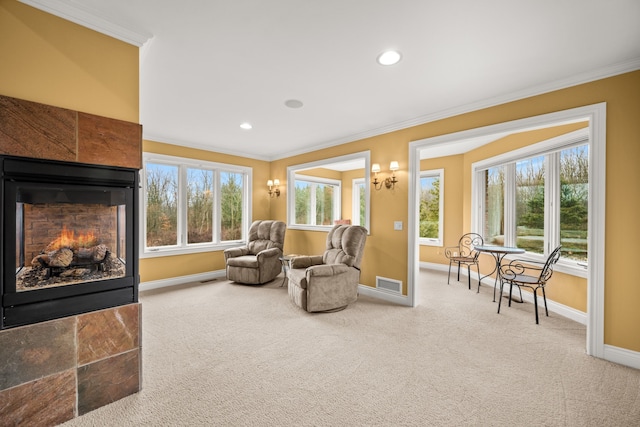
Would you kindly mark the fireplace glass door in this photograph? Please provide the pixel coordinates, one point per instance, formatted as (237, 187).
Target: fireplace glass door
(69, 234)
(69, 239)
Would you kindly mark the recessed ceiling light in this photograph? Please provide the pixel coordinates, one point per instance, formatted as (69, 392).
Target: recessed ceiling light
(389, 57)
(293, 103)
(246, 126)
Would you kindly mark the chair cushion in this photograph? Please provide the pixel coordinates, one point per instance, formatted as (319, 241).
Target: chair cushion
(521, 278)
(247, 261)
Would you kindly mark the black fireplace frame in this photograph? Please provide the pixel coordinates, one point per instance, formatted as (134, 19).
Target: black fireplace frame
(33, 306)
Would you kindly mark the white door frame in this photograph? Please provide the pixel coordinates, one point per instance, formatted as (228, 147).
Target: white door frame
(596, 114)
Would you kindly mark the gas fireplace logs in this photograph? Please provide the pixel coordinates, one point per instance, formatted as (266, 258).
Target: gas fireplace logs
(70, 256)
(66, 257)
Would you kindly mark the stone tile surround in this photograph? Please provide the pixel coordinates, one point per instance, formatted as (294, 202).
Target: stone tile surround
(53, 371)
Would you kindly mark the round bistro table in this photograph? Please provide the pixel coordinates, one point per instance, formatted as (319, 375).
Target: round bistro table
(498, 253)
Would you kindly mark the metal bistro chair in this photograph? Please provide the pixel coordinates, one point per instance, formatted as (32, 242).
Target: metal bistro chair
(466, 254)
(530, 274)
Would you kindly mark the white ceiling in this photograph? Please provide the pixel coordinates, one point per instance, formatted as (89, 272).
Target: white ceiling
(208, 65)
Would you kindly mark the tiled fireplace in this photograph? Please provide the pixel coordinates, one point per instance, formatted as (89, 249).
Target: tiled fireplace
(69, 316)
(69, 239)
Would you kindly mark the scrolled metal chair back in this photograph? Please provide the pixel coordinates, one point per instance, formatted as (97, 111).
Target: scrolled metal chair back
(467, 245)
(547, 270)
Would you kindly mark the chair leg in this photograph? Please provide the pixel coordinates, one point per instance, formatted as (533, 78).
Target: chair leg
(535, 304)
(544, 297)
(469, 274)
(510, 292)
(478, 268)
(458, 272)
(449, 276)
(500, 299)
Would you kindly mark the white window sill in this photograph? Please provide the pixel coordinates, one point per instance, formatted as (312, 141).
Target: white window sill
(164, 252)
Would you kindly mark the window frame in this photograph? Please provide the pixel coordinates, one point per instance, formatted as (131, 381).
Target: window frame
(355, 199)
(425, 241)
(292, 170)
(550, 149)
(337, 201)
(183, 247)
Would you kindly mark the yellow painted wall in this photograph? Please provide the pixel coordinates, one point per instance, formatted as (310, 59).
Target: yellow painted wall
(53, 61)
(158, 268)
(49, 60)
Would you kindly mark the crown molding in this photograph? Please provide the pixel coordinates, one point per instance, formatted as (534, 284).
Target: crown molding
(204, 147)
(577, 79)
(90, 18)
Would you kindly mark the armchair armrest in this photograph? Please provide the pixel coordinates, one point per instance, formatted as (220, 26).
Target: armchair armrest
(330, 286)
(305, 261)
(269, 253)
(327, 270)
(235, 252)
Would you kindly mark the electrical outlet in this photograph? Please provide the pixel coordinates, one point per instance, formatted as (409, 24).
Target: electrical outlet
(397, 225)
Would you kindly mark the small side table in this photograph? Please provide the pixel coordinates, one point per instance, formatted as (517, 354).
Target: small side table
(286, 266)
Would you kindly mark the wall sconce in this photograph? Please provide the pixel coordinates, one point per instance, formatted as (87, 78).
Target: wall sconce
(389, 182)
(274, 192)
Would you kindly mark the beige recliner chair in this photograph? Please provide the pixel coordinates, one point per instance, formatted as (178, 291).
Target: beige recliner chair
(329, 282)
(259, 261)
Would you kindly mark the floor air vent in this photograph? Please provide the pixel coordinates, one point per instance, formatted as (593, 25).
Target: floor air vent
(389, 285)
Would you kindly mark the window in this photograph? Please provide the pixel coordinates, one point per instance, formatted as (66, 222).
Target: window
(529, 201)
(536, 198)
(317, 200)
(315, 196)
(431, 207)
(494, 205)
(192, 206)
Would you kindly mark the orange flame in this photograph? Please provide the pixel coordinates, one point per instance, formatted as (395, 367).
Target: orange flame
(68, 239)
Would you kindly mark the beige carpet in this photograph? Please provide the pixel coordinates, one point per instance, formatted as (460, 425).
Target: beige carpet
(222, 354)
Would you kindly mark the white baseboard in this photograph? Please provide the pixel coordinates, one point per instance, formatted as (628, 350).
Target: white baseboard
(383, 295)
(180, 280)
(622, 356)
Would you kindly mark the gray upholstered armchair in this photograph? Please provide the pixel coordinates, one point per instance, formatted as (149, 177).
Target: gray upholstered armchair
(259, 261)
(329, 282)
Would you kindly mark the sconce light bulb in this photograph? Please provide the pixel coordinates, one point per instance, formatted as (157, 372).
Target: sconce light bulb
(375, 168)
(270, 183)
(394, 166)
(276, 182)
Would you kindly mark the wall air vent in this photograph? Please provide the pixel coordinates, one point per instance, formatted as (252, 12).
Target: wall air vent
(389, 285)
